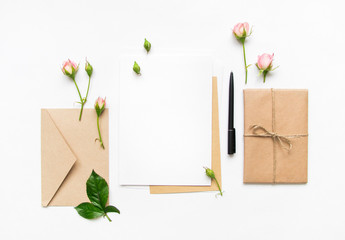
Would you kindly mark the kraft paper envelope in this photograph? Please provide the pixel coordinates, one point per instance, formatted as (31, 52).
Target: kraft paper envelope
(69, 153)
(216, 165)
(267, 154)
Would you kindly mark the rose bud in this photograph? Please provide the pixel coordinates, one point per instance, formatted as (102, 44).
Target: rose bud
(147, 45)
(70, 68)
(241, 31)
(99, 106)
(136, 68)
(88, 68)
(265, 64)
(210, 173)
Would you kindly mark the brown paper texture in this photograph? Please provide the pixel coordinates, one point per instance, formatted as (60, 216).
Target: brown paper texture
(216, 163)
(69, 153)
(265, 161)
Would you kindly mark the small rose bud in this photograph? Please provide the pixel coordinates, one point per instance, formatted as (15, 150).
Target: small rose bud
(241, 31)
(147, 45)
(99, 106)
(210, 173)
(136, 68)
(88, 68)
(70, 68)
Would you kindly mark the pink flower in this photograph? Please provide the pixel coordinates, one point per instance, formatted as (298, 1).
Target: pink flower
(99, 105)
(264, 64)
(265, 61)
(241, 30)
(70, 68)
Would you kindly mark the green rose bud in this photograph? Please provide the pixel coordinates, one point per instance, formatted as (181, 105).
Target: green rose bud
(88, 68)
(136, 68)
(99, 106)
(210, 173)
(147, 45)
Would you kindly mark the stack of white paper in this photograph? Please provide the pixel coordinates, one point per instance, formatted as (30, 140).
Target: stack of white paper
(165, 120)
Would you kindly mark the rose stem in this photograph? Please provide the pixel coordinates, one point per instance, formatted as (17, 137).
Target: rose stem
(107, 217)
(99, 133)
(220, 190)
(81, 99)
(245, 61)
(88, 86)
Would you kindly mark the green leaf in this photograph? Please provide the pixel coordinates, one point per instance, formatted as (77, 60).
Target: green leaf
(97, 190)
(89, 211)
(112, 209)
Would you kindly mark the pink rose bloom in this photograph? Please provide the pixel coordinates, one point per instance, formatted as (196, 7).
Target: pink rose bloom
(265, 62)
(241, 30)
(69, 68)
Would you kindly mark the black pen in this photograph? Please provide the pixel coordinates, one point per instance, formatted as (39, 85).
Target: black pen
(231, 129)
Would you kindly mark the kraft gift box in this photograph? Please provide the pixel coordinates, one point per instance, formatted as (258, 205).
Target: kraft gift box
(275, 136)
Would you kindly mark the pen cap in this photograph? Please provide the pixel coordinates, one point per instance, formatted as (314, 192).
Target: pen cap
(231, 141)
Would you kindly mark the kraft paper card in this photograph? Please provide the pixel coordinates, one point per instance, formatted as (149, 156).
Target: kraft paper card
(69, 153)
(216, 162)
(275, 136)
(165, 120)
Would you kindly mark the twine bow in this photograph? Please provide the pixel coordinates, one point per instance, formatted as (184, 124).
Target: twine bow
(283, 140)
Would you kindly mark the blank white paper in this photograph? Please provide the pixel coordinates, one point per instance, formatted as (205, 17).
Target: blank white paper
(165, 120)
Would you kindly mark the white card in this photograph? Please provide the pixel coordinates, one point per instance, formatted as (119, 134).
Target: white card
(165, 120)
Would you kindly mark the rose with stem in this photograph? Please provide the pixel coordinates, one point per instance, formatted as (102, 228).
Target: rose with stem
(210, 173)
(70, 69)
(241, 32)
(99, 107)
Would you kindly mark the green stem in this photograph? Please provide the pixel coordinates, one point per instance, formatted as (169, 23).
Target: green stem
(81, 110)
(81, 99)
(88, 86)
(220, 190)
(265, 76)
(99, 133)
(107, 217)
(245, 61)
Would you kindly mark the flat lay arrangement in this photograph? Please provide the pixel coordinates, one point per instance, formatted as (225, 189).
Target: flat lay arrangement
(172, 120)
(170, 139)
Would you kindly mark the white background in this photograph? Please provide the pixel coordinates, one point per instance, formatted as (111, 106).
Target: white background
(307, 38)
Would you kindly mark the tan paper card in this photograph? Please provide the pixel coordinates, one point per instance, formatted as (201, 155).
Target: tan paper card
(69, 153)
(216, 165)
(275, 120)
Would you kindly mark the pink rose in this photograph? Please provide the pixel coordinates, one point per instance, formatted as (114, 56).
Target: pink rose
(70, 68)
(264, 64)
(241, 30)
(265, 61)
(99, 105)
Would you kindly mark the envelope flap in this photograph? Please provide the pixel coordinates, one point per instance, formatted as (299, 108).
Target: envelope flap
(57, 158)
